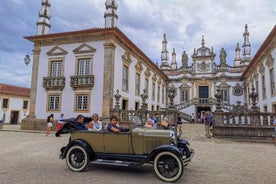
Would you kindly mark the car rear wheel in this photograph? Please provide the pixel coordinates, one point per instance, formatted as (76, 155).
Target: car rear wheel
(77, 158)
(168, 166)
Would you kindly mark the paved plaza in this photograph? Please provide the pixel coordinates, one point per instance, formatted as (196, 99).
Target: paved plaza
(30, 157)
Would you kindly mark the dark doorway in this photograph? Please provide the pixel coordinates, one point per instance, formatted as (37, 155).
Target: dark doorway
(14, 117)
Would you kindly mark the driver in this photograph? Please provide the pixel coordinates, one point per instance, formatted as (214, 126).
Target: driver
(113, 127)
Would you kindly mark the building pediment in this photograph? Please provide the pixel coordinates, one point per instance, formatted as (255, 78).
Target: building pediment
(84, 48)
(56, 51)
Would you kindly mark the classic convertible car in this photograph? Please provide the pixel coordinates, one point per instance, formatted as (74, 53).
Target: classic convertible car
(162, 148)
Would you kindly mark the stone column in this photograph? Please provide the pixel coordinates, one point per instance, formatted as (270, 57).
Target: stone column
(29, 122)
(108, 80)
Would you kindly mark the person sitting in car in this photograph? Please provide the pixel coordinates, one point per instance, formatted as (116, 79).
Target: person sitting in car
(113, 127)
(79, 122)
(95, 125)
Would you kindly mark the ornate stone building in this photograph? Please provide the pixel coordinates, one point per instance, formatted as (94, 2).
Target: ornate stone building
(79, 72)
(198, 83)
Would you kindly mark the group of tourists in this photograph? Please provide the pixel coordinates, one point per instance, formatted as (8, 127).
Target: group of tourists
(152, 122)
(94, 125)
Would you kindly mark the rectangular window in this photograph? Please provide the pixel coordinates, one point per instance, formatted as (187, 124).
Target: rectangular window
(184, 95)
(273, 108)
(158, 94)
(25, 104)
(224, 95)
(137, 84)
(163, 95)
(124, 104)
(5, 103)
(257, 89)
(84, 66)
(263, 87)
(257, 86)
(82, 102)
(53, 102)
(147, 85)
(137, 106)
(56, 68)
(125, 78)
(153, 91)
(272, 82)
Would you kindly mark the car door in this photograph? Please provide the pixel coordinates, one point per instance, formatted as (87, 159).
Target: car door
(117, 142)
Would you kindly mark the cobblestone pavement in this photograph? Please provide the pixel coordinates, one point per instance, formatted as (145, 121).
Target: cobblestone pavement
(31, 157)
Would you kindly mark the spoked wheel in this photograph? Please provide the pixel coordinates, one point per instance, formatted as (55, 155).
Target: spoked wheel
(77, 158)
(168, 166)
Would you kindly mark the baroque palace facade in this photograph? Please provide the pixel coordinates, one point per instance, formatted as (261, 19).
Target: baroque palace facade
(79, 72)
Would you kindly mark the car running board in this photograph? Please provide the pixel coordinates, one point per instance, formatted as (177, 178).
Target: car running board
(114, 162)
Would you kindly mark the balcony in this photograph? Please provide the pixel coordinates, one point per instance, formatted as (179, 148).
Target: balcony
(82, 81)
(53, 83)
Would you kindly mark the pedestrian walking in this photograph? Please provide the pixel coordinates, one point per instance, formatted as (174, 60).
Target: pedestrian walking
(208, 121)
(50, 119)
(179, 123)
(193, 118)
(60, 122)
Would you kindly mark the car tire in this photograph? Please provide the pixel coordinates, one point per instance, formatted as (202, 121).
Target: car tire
(168, 166)
(77, 158)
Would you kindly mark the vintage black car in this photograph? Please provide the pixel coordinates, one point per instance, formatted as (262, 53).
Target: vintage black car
(163, 148)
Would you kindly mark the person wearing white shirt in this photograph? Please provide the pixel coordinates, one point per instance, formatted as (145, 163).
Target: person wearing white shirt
(96, 125)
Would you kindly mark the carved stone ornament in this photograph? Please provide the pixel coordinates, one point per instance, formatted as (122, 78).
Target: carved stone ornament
(261, 68)
(269, 61)
(237, 90)
(139, 66)
(126, 58)
(203, 67)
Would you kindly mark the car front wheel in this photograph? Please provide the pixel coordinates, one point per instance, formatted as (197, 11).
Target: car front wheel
(77, 158)
(168, 166)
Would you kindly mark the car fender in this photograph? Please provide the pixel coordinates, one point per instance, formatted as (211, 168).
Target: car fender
(79, 142)
(183, 145)
(170, 148)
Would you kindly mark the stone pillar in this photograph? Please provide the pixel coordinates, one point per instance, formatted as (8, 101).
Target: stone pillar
(108, 80)
(117, 110)
(218, 97)
(255, 111)
(144, 107)
(29, 122)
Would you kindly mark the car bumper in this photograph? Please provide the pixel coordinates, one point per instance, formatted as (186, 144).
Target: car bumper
(187, 160)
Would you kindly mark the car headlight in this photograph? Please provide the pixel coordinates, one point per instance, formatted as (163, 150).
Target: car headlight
(172, 137)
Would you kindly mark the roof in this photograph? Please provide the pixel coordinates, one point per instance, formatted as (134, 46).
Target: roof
(267, 41)
(14, 90)
(118, 34)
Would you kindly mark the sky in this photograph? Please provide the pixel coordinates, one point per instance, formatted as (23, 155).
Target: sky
(184, 22)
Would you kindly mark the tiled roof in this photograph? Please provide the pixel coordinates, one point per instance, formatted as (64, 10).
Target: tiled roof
(14, 90)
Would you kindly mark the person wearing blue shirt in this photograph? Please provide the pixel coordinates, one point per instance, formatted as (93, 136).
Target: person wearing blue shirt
(113, 127)
(79, 123)
(208, 121)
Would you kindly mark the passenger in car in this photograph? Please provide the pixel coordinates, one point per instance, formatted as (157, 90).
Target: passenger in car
(95, 124)
(113, 127)
(79, 122)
